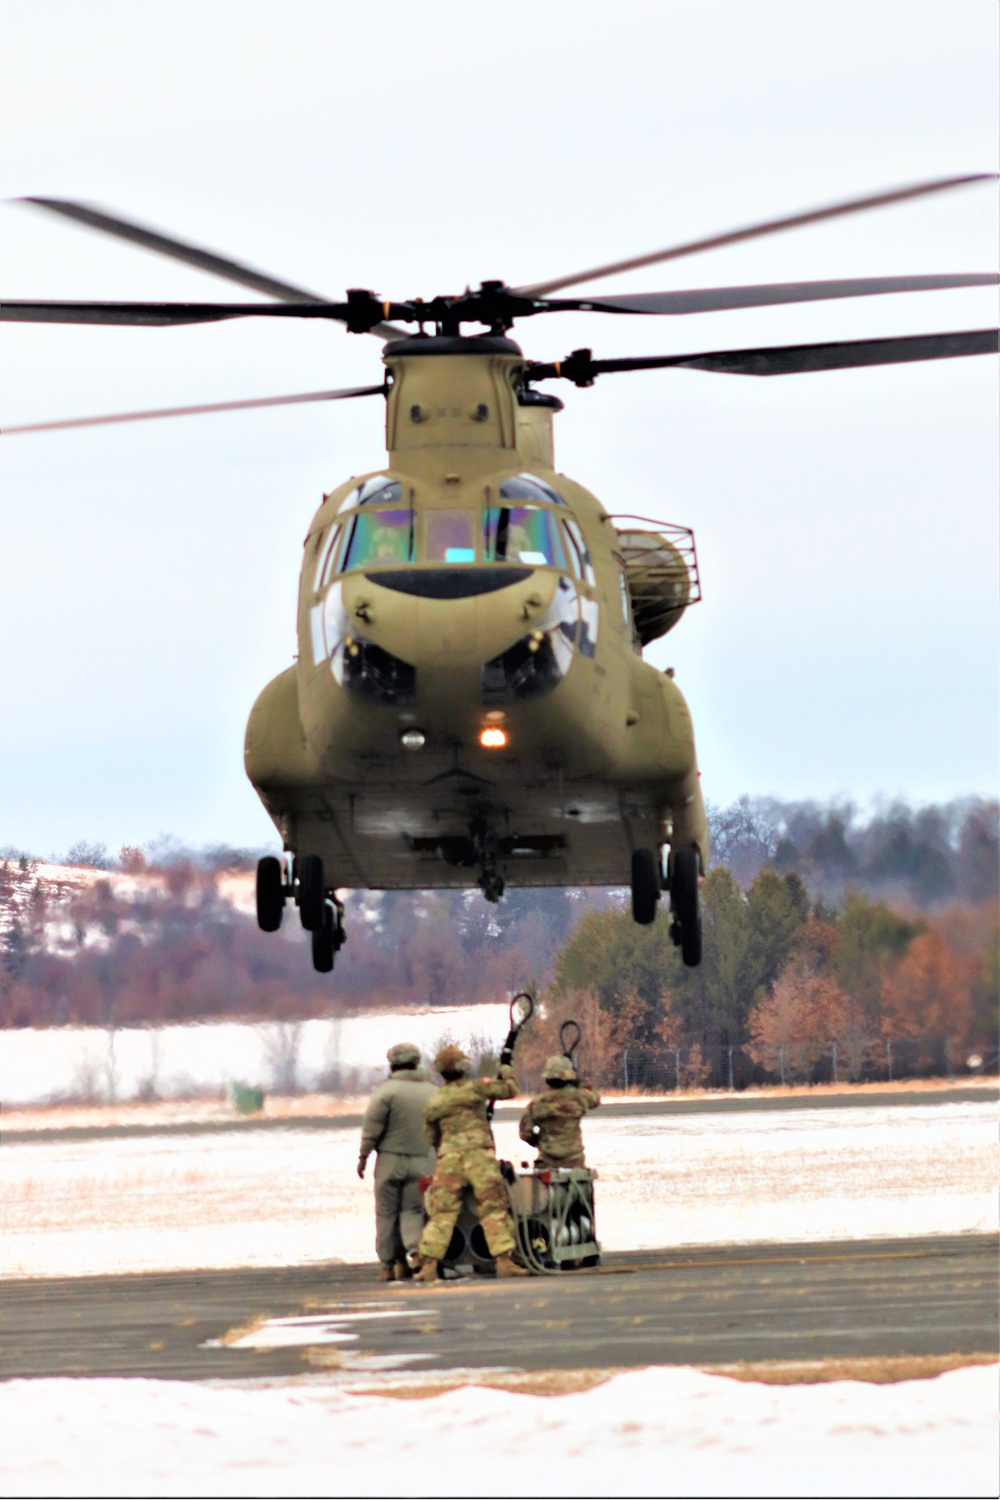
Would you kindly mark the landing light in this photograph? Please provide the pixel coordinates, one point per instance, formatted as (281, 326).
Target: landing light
(493, 737)
(413, 739)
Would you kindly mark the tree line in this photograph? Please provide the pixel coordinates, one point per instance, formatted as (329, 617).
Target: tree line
(834, 948)
(789, 990)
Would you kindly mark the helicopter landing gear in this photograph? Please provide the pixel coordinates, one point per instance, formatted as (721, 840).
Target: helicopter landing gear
(645, 886)
(492, 878)
(329, 938)
(685, 905)
(270, 893)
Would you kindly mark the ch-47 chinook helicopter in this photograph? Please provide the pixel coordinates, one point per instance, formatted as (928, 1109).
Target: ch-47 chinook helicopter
(470, 705)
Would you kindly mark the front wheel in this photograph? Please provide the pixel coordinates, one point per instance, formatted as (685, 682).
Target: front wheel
(645, 886)
(270, 894)
(312, 894)
(324, 944)
(685, 903)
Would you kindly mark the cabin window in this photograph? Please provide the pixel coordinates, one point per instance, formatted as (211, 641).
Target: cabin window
(378, 536)
(380, 489)
(522, 534)
(527, 487)
(450, 536)
(585, 568)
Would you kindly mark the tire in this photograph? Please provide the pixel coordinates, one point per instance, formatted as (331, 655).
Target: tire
(323, 945)
(270, 894)
(685, 903)
(645, 886)
(312, 895)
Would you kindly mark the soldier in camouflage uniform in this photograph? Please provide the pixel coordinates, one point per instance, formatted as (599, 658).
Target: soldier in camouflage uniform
(394, 1128)
(458, 1127)
(552, 1121)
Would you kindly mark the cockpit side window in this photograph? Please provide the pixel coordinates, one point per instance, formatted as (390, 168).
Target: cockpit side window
(527, 487)
(380, 489)
(581, 555)
(327, 556)
(378, 536)
(522, 534)
(626, 596)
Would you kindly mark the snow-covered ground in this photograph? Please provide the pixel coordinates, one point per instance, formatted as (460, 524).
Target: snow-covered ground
(291, 1196)
(67, 1062)
(649, 1432)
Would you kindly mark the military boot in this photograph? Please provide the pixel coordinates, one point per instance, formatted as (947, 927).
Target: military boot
(401, 1271)
(507, 1266)
(428, 1271)
(386, 1272)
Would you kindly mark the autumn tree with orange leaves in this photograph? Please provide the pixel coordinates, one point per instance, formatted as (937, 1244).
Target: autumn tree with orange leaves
(928, 995)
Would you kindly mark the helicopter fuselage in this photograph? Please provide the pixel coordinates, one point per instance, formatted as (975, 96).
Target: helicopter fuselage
(469, 705)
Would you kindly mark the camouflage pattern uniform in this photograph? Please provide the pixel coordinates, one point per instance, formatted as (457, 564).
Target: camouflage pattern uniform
(552, 1121)
(458, 1127)
(394, 1127)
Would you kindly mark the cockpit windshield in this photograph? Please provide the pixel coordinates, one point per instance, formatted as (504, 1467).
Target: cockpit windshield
(379, 536)
(522, 534)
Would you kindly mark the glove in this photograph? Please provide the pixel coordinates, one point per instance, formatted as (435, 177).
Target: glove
(506, 1057)
(362, 1163)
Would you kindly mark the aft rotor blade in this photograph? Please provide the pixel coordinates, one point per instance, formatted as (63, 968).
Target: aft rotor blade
(196, 411)
(792, 359)
(719, 299)
(162, 314)
(192, 255)
(755, 231)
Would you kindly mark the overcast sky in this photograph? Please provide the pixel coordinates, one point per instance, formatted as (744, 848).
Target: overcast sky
(846, 522)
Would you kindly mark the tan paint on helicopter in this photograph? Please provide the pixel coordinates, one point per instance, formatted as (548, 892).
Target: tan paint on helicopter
(603, 763)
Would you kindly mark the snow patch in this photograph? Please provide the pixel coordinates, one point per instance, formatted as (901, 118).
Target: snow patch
(648, 1432)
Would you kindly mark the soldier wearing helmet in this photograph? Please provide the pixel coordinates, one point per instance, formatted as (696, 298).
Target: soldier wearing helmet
(394, 1128)
(458, 1127)
(552, 1121)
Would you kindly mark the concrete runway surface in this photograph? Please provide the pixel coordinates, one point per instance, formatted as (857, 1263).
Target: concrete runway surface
(929, 1296)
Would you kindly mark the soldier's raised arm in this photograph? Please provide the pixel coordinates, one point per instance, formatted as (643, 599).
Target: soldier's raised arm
(590, 1097)
(504, 1087)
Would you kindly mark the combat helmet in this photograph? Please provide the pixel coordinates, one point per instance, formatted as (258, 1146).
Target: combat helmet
(560, 1069)
(452, 1059)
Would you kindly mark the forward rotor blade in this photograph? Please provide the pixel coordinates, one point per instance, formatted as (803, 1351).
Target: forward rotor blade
(718, 299)
(754, 231)
(162, 314)
(195, 411)
(792, 359)
(192, 255)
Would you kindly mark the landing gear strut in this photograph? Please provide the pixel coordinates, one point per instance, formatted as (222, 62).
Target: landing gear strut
(322, 914)
(492, 878)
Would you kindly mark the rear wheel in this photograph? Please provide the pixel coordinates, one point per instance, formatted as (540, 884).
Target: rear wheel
(270, 894)
(645, 886)
(323, 946)
(312, 896)
(685, 903)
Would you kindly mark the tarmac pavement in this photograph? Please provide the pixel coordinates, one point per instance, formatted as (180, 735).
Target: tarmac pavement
(682, 1306)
